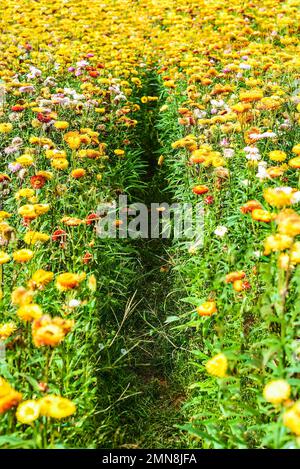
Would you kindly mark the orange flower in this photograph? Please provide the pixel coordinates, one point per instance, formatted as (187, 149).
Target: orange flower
(37, 182)
(262, 215)
(8, 396)
(199, 190)
(50, 331)
(68, 281)
(208, 308)
(78, 173)
(233, 276)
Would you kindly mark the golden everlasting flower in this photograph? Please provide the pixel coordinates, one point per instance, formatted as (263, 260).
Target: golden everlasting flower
(29, 312)
(7, 329)
(39, 279)
(208, 308)
(4, 257)
(291, 418)
(6, 127)
(68, 281)
(8, 396)
(277, 391)
(56, 406)
(217, 365)
(23, 255)
(278, 242)
(28, 411)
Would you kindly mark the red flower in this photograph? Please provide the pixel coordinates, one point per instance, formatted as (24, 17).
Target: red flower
(94, 73)
(87, 258)
(42, 118)
(91, 218)
(37, 182)
(209, 200)
(59, 235)
(17, 108)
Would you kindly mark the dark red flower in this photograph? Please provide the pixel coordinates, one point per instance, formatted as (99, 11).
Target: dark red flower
(59, 235)
(37, 182)
(87, 258)
(43, 118)
(91, 218)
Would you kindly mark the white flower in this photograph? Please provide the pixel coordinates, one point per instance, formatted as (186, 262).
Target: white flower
(74, 303)
(245, 182)
(228, 152)
(295, 197)
(221, 231)
(245, 66)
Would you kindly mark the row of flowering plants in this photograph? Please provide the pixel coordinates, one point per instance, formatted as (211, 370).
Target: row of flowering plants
(66, 123)
(231, 140)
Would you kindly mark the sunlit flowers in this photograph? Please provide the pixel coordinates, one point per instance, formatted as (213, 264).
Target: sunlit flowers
(47, 331)
(56, 407)
(208, 308)
(28, 411)
(291, 418)
(8, 396)
(277, 391)
(23, 255)
(29, 312)
(69, 281)
(217, 365)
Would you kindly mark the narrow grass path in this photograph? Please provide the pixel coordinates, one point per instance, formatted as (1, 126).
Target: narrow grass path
(148, 414)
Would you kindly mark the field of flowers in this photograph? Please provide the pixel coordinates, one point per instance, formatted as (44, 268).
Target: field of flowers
(109, 343)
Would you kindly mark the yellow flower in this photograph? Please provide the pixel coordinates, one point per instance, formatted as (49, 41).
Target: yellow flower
(7, 329)
(294, 162)
(25, 160)
(92, 283)
(20, 296)
(23, 255)
(278, 242)
(277, 155)
(40, 278)
(34, 237)
(26, 193)
(288, 223)
(119, 152)
(6, 127)
(60, 163)
(4, 258)
(277, 391)
(8, 396)
(295, 253)
(27, 211)
(29, 312)
(56, 406)
(208, 308)
(61, 125)
(41, 209)
(4, 214)
(296, 149)
(279, 196)
(291, 418)
(217, 365)
(68, 281)
(28, 411)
